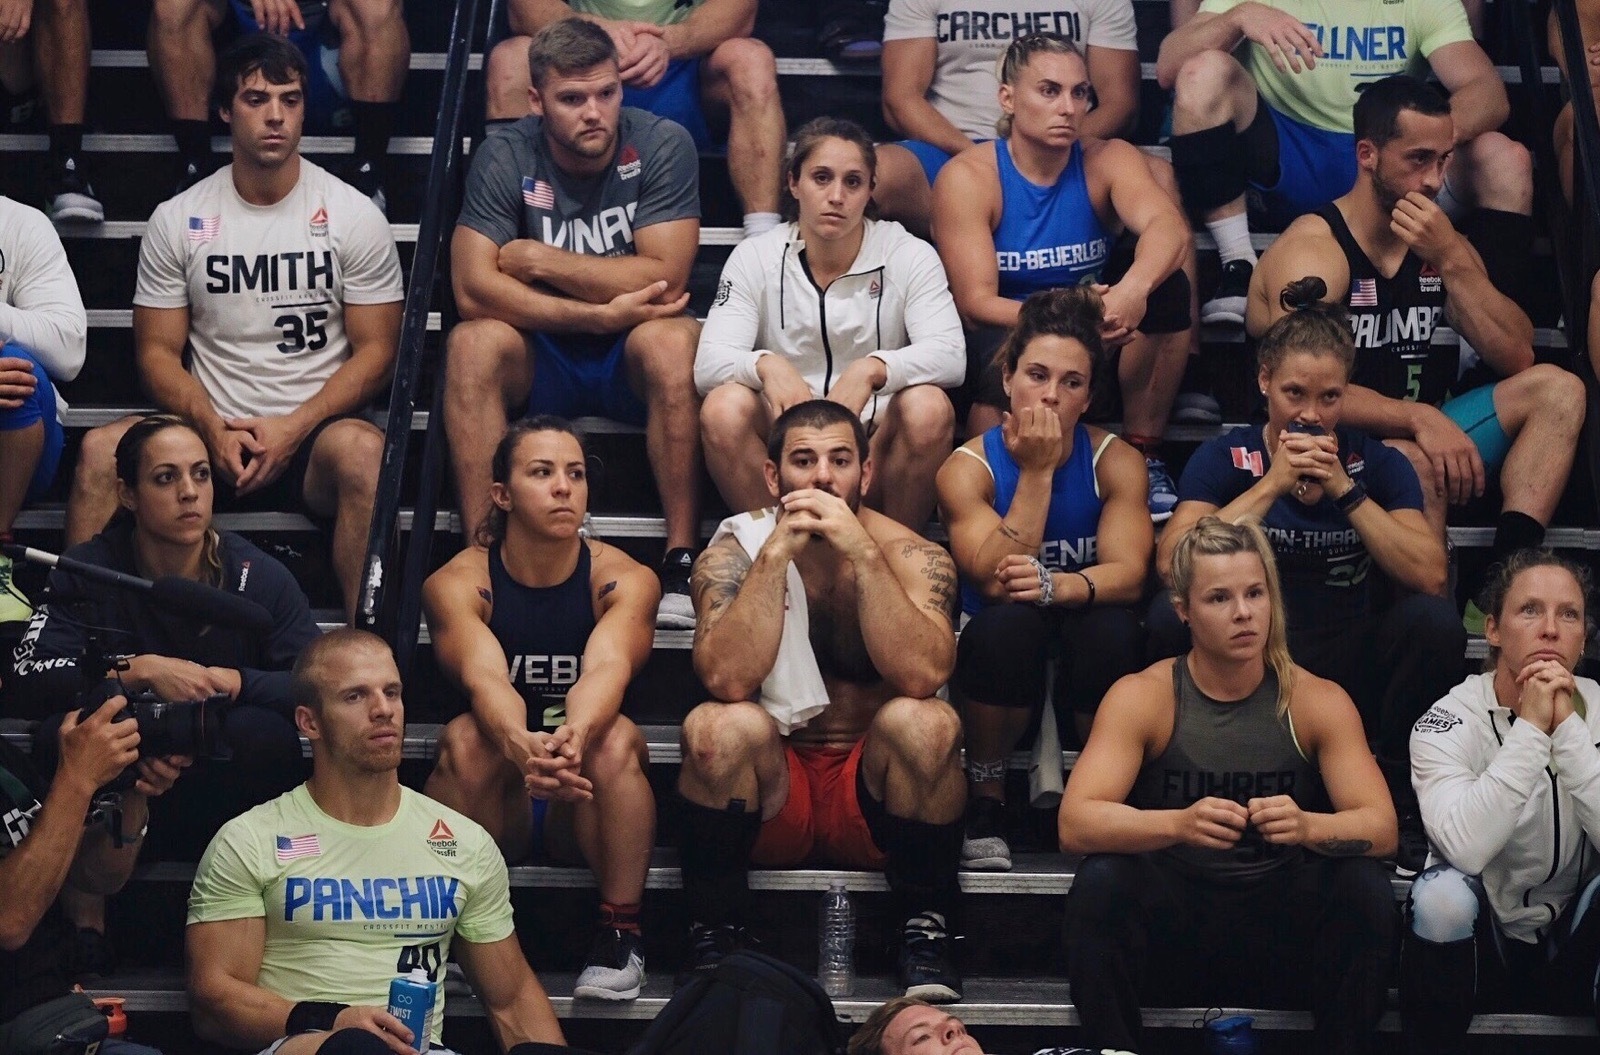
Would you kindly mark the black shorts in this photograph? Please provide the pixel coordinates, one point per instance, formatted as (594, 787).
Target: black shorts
(286, 494)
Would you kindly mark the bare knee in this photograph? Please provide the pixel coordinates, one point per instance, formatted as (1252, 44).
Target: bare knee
(926, 420)
(721, 740)
(468, 760)
(729, 415)
(505, 78)
(97, 455)
(923, 734)
(750, 71)
(1502, 173)
(1208, 81)
(354, 452)
(1559, 393)
(480, 354)
(664, 350)
(620, 752)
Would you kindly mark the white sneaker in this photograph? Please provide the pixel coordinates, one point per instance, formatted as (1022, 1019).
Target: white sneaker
(14, 607)
(615, 968)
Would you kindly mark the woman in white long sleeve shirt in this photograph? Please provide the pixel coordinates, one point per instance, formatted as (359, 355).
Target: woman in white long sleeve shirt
(1507, 772)
(43, 334)
(832, 305)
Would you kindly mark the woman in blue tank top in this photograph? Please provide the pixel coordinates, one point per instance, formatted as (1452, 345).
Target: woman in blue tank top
(1041, 208)
(1049, 530)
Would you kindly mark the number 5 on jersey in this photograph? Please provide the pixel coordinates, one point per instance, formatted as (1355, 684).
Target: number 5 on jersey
(302, 332)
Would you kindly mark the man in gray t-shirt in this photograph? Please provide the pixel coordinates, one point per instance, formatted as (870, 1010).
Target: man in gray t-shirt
(570, 259)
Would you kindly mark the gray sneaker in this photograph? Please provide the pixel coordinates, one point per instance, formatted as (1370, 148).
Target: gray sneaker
(983, 843)
(614, 969)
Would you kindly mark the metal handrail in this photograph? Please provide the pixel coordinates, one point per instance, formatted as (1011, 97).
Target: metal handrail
(389, 604)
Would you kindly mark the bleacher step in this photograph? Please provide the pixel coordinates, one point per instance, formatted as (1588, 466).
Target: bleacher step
(989, 1002)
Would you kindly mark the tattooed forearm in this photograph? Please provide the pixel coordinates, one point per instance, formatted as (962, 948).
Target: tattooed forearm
(1015, 536)
(935, 565)
(1343, 847)
(717, 575)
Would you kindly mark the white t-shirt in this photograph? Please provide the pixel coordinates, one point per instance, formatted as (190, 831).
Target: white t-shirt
(971, 36)
(40, 306)
(266, 286)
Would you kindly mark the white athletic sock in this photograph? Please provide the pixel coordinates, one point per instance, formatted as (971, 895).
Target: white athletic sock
(759, 222)
(1233, 238)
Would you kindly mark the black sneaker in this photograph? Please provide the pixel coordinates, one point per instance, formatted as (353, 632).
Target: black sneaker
(68, 196)
(190, 172)
(1227, 304)
(91, 955)
(709, 945)
(927, 967)
(366, 178)
(983, 842)
(676, 611)
(1411, 854)
(615, 967)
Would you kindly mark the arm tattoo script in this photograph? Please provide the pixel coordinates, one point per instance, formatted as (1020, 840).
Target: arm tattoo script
(940, 571)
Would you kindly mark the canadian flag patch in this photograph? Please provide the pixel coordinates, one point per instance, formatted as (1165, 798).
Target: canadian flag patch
(1245, 458)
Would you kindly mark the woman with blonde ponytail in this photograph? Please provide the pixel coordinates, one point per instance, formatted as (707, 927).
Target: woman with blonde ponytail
(1233, 817)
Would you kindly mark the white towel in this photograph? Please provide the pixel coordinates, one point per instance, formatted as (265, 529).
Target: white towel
(793, 693)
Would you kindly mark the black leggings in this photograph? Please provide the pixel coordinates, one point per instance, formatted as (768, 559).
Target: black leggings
(1314, 934)
(1001, 657)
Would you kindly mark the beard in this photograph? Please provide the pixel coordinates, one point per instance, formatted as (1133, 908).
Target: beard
(1388, 194)
(582, 148)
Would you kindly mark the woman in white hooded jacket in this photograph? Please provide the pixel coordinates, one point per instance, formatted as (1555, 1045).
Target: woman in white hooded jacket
(832, 305)
(1507, 772)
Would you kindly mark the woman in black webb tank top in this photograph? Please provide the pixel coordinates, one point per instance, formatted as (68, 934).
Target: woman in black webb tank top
(1233, 816)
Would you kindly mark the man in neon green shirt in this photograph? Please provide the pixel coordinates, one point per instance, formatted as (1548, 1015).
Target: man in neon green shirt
(691, 61)
(305, 908)
(1262, 98)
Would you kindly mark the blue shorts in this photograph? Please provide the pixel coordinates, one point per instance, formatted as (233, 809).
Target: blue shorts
(538, 810)
(573, 378)
(677, 97)
(39, 407)
(1474, 412)
(1315, 166)
(929, 156)
(327, 105)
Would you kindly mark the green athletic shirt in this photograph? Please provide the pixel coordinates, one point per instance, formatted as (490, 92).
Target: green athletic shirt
(657, 12)
(348, 908)
(1362, 41)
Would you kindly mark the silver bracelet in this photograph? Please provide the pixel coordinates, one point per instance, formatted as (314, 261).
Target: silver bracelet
(1047, 583)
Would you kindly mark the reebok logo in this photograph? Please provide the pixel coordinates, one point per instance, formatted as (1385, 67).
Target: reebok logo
(442, 840)
(319, 223)
(628, 163)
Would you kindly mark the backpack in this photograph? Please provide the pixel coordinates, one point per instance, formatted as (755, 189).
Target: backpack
(749, 1004)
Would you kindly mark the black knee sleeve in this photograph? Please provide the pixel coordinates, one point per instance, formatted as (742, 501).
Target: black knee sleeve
(714, 852)
(1505, 241)
(1210, 167)
(353, 1042)
(1001, 654)
(1167, 308)
(923, 858)
(984, 383)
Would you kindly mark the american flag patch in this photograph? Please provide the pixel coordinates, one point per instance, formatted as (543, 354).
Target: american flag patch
(1364, 293)
(204, 228)
(291, 848)
(537, 193)
(1245, 458)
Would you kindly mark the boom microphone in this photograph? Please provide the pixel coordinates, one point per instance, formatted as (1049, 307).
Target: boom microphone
(172, 592)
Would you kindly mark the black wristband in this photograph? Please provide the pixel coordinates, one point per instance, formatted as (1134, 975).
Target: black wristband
(1347, 502)
(312, 1016)
(1089, 602)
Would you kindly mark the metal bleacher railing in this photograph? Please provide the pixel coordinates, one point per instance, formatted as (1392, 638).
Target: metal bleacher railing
(390, 598)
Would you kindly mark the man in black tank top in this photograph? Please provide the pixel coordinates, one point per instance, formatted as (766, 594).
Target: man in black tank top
(543, 629)
(1233, 816)
(1389, 253)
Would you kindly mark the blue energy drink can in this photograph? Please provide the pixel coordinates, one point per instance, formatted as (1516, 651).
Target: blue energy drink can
(411, 1000)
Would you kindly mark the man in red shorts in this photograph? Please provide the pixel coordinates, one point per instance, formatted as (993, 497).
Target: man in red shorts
(837, 622)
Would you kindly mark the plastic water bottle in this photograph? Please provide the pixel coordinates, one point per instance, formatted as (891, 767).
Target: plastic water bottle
(411, 999)
(836, 943)
(1231, 1036)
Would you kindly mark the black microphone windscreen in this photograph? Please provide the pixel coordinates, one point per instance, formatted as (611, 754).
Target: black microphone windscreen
(210, 604)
